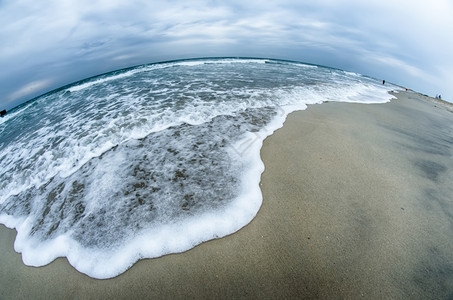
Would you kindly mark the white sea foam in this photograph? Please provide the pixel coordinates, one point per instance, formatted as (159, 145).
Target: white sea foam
(122, 75)
(90, 83)
(154, 160)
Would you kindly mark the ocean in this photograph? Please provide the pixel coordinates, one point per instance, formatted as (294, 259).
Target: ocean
(154, 159)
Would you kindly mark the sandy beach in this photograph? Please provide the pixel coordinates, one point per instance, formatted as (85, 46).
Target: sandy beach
(357, 202)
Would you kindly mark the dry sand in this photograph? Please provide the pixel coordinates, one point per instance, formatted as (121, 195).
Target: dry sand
(358, 202)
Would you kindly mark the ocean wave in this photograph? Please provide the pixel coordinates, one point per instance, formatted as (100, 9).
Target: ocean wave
(152, 160)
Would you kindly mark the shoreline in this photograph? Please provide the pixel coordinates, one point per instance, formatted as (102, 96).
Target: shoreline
(356, 202)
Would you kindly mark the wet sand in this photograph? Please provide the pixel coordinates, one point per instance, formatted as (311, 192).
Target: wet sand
(358, 202)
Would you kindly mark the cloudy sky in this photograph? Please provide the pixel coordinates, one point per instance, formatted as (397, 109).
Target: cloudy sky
(49, 43)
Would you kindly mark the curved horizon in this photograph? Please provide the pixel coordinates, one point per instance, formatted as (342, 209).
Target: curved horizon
(83, 80)
(49, 44)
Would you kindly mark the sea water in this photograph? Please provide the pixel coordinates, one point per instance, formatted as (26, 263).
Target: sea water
(151, 160)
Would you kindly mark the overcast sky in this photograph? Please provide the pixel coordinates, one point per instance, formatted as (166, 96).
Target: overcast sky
(49, 43)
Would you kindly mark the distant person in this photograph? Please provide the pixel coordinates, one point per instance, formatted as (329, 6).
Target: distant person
(3, 112)
(383, 81)
(440, 97)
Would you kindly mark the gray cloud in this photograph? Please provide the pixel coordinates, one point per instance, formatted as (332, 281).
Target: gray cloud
(49, 43)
